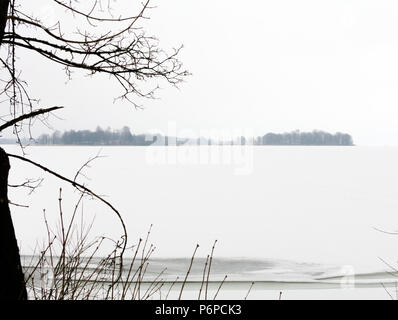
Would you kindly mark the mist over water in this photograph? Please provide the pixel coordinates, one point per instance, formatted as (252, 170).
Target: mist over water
(301, 205)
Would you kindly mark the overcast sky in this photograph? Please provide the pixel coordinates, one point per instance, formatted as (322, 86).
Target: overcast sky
(263, 65)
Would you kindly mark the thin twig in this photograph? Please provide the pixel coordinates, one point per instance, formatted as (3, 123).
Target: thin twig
(189, 270)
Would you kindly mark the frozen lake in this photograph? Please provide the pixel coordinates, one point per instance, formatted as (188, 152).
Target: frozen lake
(309, 210)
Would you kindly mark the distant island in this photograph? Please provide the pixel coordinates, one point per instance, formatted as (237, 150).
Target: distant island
(124, 137)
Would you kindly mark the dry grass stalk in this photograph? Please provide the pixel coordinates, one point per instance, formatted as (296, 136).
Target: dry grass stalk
(248, 292)
(203, 278)
(208, 271)
(70, 266)
(189, 270)
(219, 288)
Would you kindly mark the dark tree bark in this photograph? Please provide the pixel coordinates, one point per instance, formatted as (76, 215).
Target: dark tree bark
(4, 4)
(12, 284)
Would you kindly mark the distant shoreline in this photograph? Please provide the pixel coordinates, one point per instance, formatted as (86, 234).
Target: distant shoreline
(189, 145)
(124, 137)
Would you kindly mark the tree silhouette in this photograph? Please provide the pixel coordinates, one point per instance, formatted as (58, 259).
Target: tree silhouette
(98, 42)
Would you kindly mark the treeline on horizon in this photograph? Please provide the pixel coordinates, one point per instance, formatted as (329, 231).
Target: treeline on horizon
(125, 137)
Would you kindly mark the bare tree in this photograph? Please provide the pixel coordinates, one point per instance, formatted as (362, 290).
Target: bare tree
(101, 42)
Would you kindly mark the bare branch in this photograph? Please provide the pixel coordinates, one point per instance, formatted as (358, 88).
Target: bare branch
(101, 43)
(82, 188)
(28, 116)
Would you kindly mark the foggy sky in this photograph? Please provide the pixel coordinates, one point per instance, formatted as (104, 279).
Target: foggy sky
(262, 65)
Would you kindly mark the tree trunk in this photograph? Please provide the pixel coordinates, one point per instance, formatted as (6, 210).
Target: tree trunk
(12, 284)
(4, 4)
